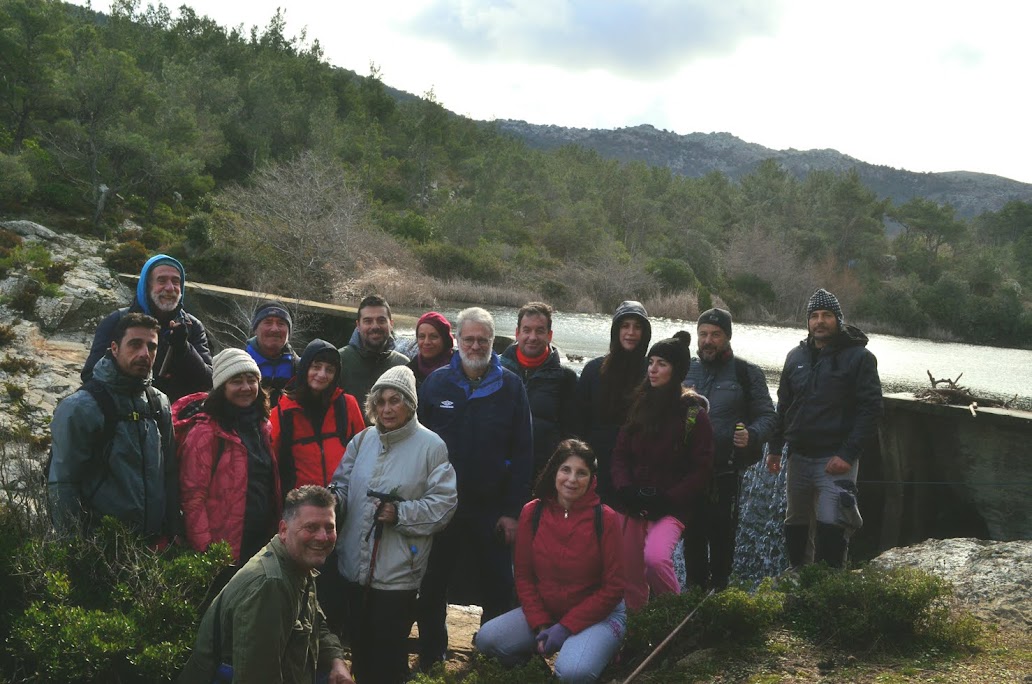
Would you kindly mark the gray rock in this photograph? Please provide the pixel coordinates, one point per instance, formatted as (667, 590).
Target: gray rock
(991, 579)
(30, 230)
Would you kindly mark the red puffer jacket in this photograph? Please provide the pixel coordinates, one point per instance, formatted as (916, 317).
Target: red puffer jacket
(312, 459)
(213, 477)
(564, 572)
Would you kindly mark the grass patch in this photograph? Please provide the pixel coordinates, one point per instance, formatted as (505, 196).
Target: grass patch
(7, 334)
(12, 365)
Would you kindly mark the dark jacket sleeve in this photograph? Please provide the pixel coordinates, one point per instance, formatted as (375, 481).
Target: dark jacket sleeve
(621, 470)
(521, 453)
(568, 421)
(101, 342)
(763, 418)
(776, 443)
(868, 408)
(584, 401)
(194, 362)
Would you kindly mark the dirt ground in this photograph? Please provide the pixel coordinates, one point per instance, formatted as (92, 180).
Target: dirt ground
(463, 622)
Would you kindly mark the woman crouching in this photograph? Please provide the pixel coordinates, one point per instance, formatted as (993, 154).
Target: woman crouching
(396, 488)
(569, 574)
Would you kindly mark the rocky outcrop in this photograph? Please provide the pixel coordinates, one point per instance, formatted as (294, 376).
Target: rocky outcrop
(993, 580)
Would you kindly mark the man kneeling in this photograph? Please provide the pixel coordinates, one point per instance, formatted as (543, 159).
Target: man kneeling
(266, 624)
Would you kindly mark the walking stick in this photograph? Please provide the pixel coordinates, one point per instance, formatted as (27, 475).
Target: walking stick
(666, 641)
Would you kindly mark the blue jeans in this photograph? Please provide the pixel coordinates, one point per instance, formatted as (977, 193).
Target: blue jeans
(582, 658)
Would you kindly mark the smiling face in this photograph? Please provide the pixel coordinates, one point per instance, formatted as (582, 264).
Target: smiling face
(430, 342)
(533, 335)
(241, 390)
(374, 326)
(630, 333)
(391, 411)
(320, 375)
(166, 287)
(475, 347)
(271, 334)
(572, 480)
(713, 341)
(822, 325)
(660, 371)
(309, 535)
(134, 354)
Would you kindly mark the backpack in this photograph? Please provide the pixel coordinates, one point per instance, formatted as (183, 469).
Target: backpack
(287, 441)
(185, 414)
(112, 417)
(535, 519)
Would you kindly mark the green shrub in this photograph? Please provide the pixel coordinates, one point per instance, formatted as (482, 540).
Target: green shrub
(24, 300)
(55, 272)
(13, 365)
(705, 299)
(672, 274)
(649, 626)
(127, 257)
(16, 181)
(8, 241)
(874, 608)
(736, 616)
(15, 392)
(449, 261)
(7, 335)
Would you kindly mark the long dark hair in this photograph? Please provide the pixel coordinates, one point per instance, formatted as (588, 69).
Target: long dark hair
(544, 488)
(218, 407)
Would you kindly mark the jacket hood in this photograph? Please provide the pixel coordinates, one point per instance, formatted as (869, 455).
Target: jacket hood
(849, 336)
(356, 342)
(142, 298)
(107, 372)
(630, 308)
(308, 357)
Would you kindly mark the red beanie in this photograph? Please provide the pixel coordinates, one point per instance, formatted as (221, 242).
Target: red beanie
(441, 323)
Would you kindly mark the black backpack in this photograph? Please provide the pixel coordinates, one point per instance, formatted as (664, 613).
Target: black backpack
(112, 417)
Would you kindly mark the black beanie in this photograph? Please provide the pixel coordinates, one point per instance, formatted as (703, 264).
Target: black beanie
(676, 350)
(824, 300)
(271, 308)
(718, 317)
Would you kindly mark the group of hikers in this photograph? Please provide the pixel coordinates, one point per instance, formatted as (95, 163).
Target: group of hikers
(354, 486)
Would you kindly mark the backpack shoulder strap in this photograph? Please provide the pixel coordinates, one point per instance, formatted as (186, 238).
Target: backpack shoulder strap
(742, 375)
(106, 404)
(535, 517)
(598, 522)
(340, 415)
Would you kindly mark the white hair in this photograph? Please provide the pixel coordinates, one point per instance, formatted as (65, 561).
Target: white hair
(475, 314)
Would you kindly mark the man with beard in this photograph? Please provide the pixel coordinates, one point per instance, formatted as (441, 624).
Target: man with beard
(266, 624)
(829, 405)
(743, 418)
(481, 411)
(270, 347)
(550, 385)
(112, 450)
(183, 362)
(370, 351)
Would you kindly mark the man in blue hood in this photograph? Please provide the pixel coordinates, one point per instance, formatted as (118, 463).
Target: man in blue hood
(183, 362)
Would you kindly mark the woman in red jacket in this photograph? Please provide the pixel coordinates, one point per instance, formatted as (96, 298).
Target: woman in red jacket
(228, 477)
(569, 574)
(662, 464)
(307, 455)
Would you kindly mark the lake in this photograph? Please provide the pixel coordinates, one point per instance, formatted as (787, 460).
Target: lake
(902, 361)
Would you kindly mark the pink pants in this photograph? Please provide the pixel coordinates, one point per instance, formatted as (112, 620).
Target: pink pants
(648, 558)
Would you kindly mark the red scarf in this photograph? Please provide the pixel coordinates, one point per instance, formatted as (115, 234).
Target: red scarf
(530, 363)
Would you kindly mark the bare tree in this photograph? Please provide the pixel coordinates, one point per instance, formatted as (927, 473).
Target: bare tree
(297, 222)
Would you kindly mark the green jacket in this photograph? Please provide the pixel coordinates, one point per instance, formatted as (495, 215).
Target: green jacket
(270, 634)
(360, 368)
(134, 479)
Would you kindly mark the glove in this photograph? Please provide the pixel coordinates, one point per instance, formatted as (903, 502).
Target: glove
(552, 639)
(653, 505)
(628, 498)
(177, 338)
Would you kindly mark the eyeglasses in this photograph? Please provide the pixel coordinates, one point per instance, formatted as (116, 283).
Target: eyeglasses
(471, 341)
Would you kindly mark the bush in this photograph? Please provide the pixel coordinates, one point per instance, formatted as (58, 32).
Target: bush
(15, 392)
(24, 300)
(13, 365)
(672, 274)
(7, 335)
(105, 607)
(448, 261)
(874, 608)
(128, 257)
(736, 616)
(16, 182)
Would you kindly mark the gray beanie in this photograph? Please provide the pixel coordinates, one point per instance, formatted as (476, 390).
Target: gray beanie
(718, 317)
(824, 300)
(399, 378)
(230, 362)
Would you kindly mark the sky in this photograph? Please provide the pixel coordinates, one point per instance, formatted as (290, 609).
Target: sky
(917, 84)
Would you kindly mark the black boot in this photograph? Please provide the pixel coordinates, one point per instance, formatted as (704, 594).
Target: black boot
(830, 545)
(796, 537)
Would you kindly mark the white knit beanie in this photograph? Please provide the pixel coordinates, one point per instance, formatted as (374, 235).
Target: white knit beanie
(230, 362)
(399, 378)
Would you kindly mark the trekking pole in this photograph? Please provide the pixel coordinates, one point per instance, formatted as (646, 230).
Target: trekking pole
(666, 641)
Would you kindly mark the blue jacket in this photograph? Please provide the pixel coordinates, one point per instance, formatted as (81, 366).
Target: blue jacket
(488, 433)
(829, 400)
(189, 368)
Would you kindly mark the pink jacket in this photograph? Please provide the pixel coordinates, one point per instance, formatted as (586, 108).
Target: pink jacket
(214, 500)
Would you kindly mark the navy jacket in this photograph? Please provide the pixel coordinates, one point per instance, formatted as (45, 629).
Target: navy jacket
(829, 400)
(718, 382)
(488, 433)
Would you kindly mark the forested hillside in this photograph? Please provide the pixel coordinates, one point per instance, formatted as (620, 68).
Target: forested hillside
(246, 154)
